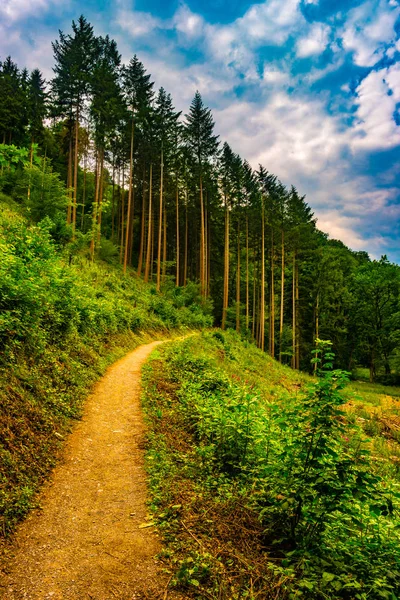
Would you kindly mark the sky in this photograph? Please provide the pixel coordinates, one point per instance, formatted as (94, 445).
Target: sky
(308, 88)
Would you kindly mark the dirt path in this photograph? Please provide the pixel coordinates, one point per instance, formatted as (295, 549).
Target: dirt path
(86, 542)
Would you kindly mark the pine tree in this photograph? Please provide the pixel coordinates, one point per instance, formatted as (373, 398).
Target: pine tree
(74, 55)
(138, 92)
(166, 126)
(203, 145)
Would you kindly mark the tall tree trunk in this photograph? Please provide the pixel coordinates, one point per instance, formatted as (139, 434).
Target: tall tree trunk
(202, 242)
(185, 262)
(226, 267)
(76, 162)
(121, 250)
(129, 200)
(254, 316)
(177, 278)
(247, 275)
(297, 319)
(142, 228)
(238, 281)
(272, 325)
(294, 325)
(282, 294)
(160, 221)
(100, 210)
(83, 191)
(69, 182)
(262, 307)
(30, 171)
(316, 326)
(95, 206)
(150, 225)
(164, 260)
(113, 201)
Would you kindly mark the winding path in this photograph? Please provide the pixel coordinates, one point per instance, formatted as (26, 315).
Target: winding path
(86, 541)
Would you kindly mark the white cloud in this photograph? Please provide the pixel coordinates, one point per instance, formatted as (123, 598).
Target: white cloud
(188, 23)
(17, 10)
(377, 96)
(315, 42)
(137, 23)
(368, 28)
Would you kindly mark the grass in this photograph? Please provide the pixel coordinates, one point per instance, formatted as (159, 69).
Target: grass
(216, 406)
(63, 320)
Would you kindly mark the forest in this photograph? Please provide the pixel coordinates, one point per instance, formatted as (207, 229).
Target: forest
(118, 174)
(269, 454)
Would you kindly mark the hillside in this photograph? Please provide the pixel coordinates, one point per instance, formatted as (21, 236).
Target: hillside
(264, 484)
(62, 321)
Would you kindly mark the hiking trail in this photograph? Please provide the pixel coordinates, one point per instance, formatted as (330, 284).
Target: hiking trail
(88, 539)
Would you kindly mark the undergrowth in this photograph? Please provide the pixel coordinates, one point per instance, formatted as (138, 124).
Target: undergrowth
(261, 486)
(62, 321)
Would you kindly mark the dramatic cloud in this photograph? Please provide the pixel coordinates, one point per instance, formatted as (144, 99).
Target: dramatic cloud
(311, 92)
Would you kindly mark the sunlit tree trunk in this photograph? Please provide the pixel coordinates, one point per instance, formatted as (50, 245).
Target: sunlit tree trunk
(247, 274)
(177, 278)
(226, 267)
(272, 326)
(95, 207)
(128, 216)
(143, 223)
(76, 164)
(69, 182)
(282, 295)
(150, 225)
(294, 325)
(160, 222)
(262, 307)
(238, 281)
(185, 262)
(164, 261)
(122, 217)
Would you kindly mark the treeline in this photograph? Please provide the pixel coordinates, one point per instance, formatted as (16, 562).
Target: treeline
(161, 192)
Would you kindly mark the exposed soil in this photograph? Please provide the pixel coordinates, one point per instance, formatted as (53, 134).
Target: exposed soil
(88, 540)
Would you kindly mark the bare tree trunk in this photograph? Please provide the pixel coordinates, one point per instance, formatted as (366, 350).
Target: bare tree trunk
(282, 295)
(316, 326)
(95, 206)
(122, 216)
(202, 242)
(238, 281)
(69, 182)
(164, 261)
(177, 232)
(142, 228)
(254, 316)
(297, 319)
(100, 196)
(150, 224)
(129, 201)
(30, 163)
(185, 265)
(247, 274)
(294, 312)
(76, 163)
(83, 191)
(226, 267)
(262, 307)
(272, 327)
(160, 221)
(113, 201)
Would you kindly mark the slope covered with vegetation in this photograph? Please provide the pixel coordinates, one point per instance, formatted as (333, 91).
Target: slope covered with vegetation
(263, 483)
(62, 321)
(162, 193)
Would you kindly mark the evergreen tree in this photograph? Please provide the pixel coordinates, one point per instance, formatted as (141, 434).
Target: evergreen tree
(203, 146)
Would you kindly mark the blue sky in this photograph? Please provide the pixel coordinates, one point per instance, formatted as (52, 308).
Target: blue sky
(308, 88)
